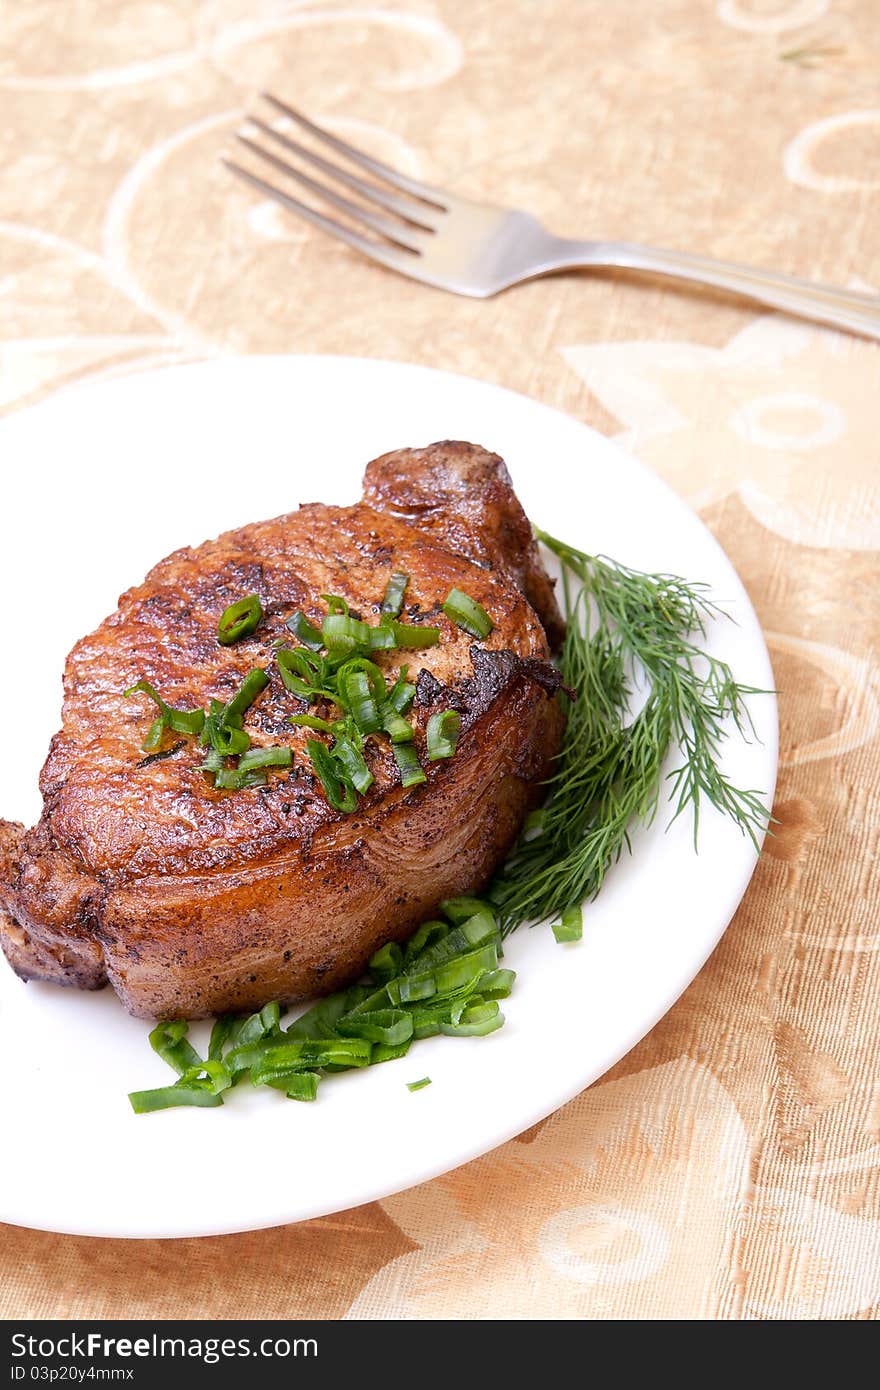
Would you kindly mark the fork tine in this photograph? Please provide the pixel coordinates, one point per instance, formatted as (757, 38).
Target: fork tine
(387, 255)
(423, 191)
(393, 231)
(416, 213)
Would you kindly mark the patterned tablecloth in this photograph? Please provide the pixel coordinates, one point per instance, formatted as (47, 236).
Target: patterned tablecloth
(729, 1167)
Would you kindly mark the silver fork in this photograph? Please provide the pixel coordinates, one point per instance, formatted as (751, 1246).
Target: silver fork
(478, 249)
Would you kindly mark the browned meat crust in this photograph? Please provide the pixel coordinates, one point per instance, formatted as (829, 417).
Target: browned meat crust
(462, 497)
(193, 901)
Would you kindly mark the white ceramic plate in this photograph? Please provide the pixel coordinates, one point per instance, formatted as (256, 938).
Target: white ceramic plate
(101, 481)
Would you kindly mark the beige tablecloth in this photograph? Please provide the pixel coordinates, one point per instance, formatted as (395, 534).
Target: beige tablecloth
(728, 1167)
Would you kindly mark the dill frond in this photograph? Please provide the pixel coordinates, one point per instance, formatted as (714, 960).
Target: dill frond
(608, 776)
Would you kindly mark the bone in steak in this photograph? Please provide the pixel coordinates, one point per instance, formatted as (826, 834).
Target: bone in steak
(193, 901)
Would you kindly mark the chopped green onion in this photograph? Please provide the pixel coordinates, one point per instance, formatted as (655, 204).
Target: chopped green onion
(271, 1060)
(394, 592)
(476, 1020)
(143, 687)
(497, 984)
(362, 666)
(264, 757)
(368, 1002)
(357, 697)
(382, 1052)
(301, 627)
(386, 962)
(382, 639)
(351, 760)
(571, 925)
(408, 765)
(344, 634)
(239, 620)
(460, 909)
(221, 1033)
(154, 735)
(251, 1029)
(216, 710)
(338, 790)
(186, 721)
(402, 693)
(167, 1097)
(481, 927)
(230, 779)
(229, 742)
(270, 1016)
(410, 635)
(335, 604)
(468, 614)
(320, 1020)
(304, 673)
(297, 1085)
(429, 1018)
(310, 721)
(169, 1041)
(394, 724)
(182, 721)
(389, 1026)
(457, 941)
(214, 761)
(424, 936)
(418, 1085)
(445, 977)
(254, 682)
(442, 735)
(212, 1075)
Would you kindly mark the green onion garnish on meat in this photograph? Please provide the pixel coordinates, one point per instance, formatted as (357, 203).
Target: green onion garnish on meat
(335, 604)
(407, 636)
(361, 687)
(310, 721)
(342, 633)
(408, 765)
(392, 603)
(305, 673)
(252, 685)
(398, 729)
(301, 628)
(442, 734)
(468, 614)
(353, 764)
(338, 790)
(265, 757)
(239, 620)
(402, 693)
(182, 721)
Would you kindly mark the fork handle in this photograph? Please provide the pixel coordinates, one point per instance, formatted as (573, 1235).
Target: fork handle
(847, 309)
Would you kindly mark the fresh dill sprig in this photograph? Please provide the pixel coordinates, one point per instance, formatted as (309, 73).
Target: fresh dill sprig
(608, 775)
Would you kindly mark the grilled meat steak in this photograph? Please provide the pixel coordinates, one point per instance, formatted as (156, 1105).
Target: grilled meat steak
(193, 901)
